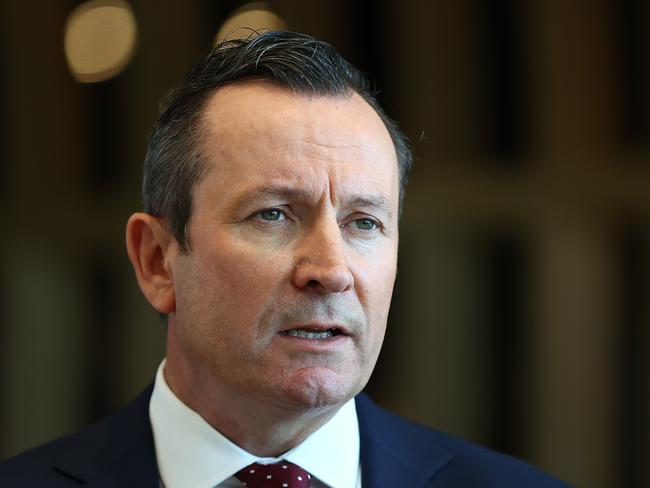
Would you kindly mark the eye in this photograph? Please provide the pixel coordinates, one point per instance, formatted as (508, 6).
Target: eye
(366, 224)
(271, 214)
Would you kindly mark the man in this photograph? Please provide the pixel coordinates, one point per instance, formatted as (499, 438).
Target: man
(272, 190)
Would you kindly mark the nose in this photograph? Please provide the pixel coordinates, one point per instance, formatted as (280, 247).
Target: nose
(322, 263)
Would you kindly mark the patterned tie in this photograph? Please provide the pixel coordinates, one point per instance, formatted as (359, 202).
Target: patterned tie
(279, 475)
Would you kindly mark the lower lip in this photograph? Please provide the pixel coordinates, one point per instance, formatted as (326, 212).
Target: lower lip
(316, 344)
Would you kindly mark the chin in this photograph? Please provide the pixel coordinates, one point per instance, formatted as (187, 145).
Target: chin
(317, 388)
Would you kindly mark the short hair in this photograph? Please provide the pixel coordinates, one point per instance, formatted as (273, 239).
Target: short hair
(174, 162)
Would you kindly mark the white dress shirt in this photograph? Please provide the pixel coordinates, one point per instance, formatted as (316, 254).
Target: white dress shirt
(192, 454)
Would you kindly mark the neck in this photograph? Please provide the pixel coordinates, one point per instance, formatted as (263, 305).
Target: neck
(255, 425)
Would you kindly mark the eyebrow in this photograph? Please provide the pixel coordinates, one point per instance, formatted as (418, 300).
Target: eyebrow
(276, 191)
(283, 192)
(375, 202)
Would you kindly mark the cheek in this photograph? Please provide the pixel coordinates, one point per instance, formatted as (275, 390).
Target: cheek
(375, 281)
(239, 280)
(245, 267)
(376, 277)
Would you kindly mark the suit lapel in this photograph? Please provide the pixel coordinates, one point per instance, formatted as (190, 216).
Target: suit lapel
(395, 452)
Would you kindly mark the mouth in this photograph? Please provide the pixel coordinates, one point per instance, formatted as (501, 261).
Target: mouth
(314, 333)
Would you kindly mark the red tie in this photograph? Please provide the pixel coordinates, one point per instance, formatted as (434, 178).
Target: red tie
(279, 475)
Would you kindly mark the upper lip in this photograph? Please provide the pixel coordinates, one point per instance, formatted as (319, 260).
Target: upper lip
(319, 327)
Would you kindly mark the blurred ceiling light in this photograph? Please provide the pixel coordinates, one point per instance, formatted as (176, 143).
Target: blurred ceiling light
(252, 16)
(99, 39)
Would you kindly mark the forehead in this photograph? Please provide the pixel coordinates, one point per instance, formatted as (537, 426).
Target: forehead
(259, 132)
(264, 109)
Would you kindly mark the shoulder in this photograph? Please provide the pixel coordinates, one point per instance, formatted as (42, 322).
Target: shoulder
(84, 455)
(451, 461)
(38, 466)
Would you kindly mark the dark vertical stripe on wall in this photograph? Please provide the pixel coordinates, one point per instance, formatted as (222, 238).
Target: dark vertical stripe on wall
(104, 336)
(368, 42)
(5, 127)
(102, 176)
(5, 168)
(634, 450)
(506, 268)
(103, 102)
(501, 81)
(635, 68)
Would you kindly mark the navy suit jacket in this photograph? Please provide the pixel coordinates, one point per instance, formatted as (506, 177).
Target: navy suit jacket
(395, 453)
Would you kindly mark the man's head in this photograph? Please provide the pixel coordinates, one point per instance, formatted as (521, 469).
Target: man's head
(270, 240)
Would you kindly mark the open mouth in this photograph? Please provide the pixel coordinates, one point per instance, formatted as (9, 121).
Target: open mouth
(311, 333)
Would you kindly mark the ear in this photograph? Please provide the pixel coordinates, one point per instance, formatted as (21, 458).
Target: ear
(150, 246)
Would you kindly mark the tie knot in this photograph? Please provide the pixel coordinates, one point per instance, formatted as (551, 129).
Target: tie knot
(277, 475)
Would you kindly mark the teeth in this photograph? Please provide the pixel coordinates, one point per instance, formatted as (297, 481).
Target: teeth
(307, 334)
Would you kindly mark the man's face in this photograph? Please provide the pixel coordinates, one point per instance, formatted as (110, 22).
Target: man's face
(283, 295)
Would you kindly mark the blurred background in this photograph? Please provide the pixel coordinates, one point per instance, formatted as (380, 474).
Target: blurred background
(521, 317)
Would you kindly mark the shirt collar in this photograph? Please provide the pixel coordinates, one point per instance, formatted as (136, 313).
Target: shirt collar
(191, 453)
